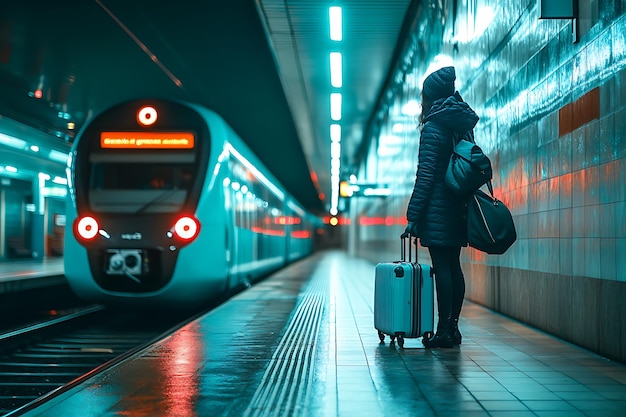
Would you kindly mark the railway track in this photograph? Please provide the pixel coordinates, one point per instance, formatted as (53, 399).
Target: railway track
(43, 360)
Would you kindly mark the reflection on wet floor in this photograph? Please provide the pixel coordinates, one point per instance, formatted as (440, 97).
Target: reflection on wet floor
(303, 343)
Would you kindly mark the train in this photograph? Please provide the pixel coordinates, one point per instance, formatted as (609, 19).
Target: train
(168, 207)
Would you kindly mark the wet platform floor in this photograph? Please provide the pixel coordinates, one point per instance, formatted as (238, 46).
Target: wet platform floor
(302, 343)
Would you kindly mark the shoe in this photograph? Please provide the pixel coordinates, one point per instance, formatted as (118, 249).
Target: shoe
(444, 338)
(456, 336)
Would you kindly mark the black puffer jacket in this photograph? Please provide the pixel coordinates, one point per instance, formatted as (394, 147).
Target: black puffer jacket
(438, 213)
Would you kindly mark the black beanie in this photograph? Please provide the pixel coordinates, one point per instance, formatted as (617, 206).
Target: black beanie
(439, 84)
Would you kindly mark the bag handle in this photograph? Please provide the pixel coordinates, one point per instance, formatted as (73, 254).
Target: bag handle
(403, 238)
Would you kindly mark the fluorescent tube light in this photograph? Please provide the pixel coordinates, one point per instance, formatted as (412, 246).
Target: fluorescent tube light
(335, 23)
(335, 106)
(335, 150)
(12, 141)
(335, 132)
(336, 79)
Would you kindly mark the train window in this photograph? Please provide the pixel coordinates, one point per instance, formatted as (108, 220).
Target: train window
(134, 187)
(141, 176)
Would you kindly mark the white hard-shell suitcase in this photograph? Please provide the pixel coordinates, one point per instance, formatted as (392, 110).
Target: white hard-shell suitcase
(404, 298)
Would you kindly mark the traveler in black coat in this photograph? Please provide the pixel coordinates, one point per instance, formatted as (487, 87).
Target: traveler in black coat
(435, 214)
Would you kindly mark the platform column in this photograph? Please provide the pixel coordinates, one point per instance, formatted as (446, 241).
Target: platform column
(37, 225)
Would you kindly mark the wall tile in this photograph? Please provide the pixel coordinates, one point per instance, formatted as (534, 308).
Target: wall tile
(565, 223)
(608, 96)
(566, 258)
(620, 266)
(553, 193)
(565, 154)
(620, 131)
(590, 186)
(606, 214)
(565, 191)
(591, 221)
(578, 222)
(552, 150)
(578, 256)
(542, 190)
(592, 143)
(608, 259)
(578, 181)
(542, 224)
(533, 225)
(606, 183)
(543, 163)
(620, 179)
(606, 139)
(578, 149)
(552, 254)
(592, 257)
(534, 197)
(618, 221)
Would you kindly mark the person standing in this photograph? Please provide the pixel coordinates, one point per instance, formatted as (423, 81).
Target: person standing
(435, 214)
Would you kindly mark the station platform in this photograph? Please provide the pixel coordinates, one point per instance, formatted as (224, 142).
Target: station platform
(302, 343)
(22, 275)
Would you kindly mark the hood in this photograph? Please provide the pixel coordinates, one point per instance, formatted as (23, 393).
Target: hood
(453, 112)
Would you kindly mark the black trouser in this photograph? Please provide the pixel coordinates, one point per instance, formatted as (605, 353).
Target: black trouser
(449, 279)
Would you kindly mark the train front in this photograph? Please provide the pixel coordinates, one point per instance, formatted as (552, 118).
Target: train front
(136, 173)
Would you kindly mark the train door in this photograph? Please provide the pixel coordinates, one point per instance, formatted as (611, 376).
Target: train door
(230, 235)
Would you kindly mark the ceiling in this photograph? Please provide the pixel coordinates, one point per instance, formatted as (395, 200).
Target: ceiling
(263, 65)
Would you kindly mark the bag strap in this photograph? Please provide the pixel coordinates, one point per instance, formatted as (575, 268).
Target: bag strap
(490, 187)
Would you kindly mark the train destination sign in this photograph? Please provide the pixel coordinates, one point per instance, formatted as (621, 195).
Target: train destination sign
(146, 140)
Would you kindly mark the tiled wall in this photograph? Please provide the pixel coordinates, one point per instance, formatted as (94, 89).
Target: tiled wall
(560, 147)
(553, 120)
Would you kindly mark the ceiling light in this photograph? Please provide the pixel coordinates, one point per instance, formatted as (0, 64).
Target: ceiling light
(58, 156)
(335, 23)
(336, 79)
(335, 132)
(335, 106)
(335, 150)
(12, 141)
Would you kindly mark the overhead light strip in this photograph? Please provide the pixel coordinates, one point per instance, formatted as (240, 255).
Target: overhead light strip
(336, 81)
(335, 106)
(336, 30)
(336, 69)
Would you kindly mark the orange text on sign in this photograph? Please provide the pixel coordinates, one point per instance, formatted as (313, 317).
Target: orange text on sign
(146, 140)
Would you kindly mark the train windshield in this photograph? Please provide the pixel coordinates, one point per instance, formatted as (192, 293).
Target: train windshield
(134, 187)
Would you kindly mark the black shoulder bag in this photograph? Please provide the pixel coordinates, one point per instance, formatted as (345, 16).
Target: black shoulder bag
(490, 226)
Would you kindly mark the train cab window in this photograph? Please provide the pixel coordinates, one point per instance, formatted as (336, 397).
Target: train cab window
(135, 187)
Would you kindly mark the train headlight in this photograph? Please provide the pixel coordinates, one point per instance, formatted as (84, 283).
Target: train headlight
(186, 228)
(87, 228)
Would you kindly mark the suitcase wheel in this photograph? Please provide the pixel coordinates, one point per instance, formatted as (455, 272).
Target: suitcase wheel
(381, 336)
(401, 341)
(428, 335)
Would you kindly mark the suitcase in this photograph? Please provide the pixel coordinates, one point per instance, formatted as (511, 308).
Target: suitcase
(404, 297)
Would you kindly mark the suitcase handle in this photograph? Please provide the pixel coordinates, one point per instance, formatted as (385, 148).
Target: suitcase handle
(403, 239)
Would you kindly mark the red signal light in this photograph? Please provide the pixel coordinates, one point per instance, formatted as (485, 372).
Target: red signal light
(186, 228)
(87, 228)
